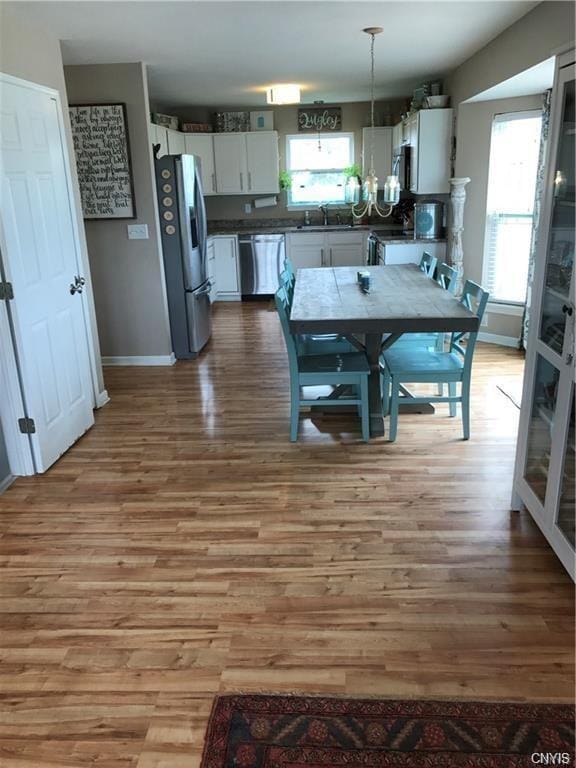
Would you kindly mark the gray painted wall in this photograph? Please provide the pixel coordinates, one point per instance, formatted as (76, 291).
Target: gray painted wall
(128, 275)
(30, 53)
(532, 39)
(355, 116)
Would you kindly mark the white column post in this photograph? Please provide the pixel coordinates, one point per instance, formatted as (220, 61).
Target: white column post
(455, 228)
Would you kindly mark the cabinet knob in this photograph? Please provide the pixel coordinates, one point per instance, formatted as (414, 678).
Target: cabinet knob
(567, 309)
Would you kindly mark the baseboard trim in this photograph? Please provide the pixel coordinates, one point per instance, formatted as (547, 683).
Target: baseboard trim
(102, 398)
(144, 360)
(503, 341)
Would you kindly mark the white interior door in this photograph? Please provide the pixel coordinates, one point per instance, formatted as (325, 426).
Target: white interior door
(41, 262)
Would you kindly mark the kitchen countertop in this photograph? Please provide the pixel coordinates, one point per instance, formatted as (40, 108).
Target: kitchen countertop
(389, 236)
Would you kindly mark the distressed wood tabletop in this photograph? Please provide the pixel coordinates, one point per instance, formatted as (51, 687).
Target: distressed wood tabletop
(401, 300)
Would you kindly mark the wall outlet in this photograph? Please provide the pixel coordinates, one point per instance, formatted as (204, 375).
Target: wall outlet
(247, 208)
(137, 231)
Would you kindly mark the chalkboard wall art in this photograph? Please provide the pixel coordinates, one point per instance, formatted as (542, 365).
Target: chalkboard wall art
(103, 159)
(317, 119)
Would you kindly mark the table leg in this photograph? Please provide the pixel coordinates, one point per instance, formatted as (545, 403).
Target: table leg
(373, 344)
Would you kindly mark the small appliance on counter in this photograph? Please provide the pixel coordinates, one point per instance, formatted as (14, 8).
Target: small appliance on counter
(183, 229)
(428, 219)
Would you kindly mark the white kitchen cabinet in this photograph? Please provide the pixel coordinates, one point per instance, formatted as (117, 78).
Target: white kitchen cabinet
(202, 145)
(211, 268)
(231, 164)
(382, 140)
(345, 249)
(263, 162)
(411, 252)
(326, 249)
(226, 268)
(176, 145)
(429, 134)
(159, 135)
(305, 249)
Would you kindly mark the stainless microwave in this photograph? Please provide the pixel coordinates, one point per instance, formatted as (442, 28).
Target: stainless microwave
(401, 165)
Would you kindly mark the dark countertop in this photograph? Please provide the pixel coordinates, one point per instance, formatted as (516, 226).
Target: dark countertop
(390, 236)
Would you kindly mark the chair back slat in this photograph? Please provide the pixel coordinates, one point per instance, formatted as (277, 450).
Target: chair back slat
(283, 308)
(446, 277)
(289, 268)
(287, 282)
(474, 298)
(428, 264)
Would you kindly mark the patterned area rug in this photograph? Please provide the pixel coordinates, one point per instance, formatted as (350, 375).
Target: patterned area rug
(298, 732)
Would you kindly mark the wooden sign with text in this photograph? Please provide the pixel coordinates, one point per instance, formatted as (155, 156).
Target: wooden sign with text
(319, 119)
(103, 160)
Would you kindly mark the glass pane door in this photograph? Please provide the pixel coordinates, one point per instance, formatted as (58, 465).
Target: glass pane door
(560, 256)
(541, 426)
(566, 511)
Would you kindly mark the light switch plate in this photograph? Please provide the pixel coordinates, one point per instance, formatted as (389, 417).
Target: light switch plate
(137, 231)
(247, 208)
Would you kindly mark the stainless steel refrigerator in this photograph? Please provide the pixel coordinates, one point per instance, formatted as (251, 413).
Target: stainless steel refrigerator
(183, 227)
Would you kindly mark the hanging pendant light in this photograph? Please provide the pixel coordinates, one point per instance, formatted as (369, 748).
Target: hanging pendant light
(369, 202)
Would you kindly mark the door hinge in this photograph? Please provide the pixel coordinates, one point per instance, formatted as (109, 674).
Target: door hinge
(27, 426)
(6, 291)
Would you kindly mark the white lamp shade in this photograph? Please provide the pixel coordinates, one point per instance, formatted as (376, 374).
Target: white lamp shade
(287, 93)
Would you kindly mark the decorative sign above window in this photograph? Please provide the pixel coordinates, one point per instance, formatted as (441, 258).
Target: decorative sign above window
(318, 119)
(103, 160)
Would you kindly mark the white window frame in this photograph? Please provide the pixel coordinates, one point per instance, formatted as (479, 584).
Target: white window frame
(501, 306)
(307, 136)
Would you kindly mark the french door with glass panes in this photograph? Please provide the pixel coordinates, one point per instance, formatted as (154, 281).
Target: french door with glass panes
(544, 474)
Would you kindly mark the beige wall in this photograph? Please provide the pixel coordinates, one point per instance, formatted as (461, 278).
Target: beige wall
(355, 116)
(532, 39)
(474, 131)
(128, 274)
(29, 53)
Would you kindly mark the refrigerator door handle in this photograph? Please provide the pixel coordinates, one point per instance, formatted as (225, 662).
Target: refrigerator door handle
(203, 291)
(201, 218)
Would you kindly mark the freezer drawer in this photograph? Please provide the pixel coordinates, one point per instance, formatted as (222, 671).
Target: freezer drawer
(261, 261)
(199, 320)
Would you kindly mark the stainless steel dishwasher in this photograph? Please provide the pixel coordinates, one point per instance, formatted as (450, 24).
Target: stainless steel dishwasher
(261, 261)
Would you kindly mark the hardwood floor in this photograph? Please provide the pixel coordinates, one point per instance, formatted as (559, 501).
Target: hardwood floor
(185, 547)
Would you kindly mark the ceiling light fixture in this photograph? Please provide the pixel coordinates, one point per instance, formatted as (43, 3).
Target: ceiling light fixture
(369, 203)
(285, 93)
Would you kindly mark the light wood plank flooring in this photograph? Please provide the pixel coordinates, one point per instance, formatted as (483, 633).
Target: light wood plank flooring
(185, 547)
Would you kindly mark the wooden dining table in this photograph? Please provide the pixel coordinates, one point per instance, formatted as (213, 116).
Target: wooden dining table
(401, 299)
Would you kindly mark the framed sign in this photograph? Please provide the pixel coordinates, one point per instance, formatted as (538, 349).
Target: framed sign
(103, 159)
(318, 119)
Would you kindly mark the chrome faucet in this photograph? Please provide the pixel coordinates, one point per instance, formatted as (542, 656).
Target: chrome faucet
(324, 210)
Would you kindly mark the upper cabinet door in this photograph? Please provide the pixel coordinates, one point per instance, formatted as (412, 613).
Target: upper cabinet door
(381, 140)
(230, 164)
(176, 144)
(263, 162)
(202, 145)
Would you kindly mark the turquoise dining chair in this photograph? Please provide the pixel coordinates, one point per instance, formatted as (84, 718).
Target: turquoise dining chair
(446, 277)
(314, 344)
(308, 370)
(418, 365)
(428, 264)
(289, 268)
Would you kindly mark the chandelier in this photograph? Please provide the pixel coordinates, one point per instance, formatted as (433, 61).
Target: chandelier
(369, 203)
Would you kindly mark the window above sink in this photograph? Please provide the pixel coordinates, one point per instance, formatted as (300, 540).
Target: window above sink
(316, 164)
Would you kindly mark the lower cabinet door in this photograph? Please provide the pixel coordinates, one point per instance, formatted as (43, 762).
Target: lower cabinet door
(226, 267)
